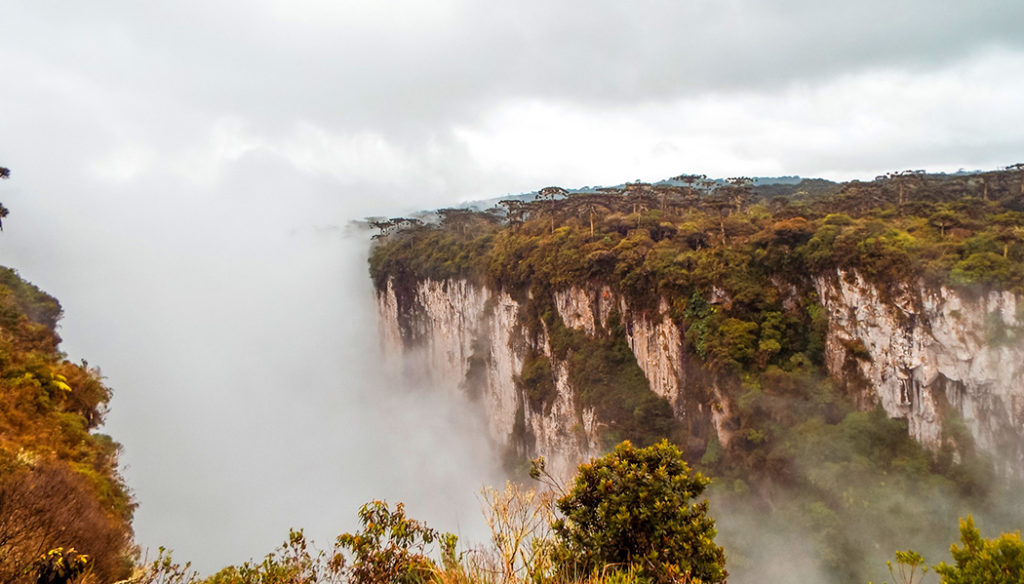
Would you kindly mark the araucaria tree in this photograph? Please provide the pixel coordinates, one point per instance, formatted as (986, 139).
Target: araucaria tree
(637, 508)
(4, 173)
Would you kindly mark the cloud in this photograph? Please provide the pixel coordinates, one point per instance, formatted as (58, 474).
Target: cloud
(854, 126)
(405, 67)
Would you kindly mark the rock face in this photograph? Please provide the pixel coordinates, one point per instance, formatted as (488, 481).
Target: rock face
(944, 361)
(939, 358)
(468, 339)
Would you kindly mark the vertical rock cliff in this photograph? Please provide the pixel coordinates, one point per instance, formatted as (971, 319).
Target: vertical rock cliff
(469, 339)
(946, 361)
(475, 341)
(950, 363)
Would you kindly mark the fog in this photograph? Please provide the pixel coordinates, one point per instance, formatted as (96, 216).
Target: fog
(250, 394)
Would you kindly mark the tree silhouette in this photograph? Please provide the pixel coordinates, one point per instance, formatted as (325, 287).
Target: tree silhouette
(588, 204)
(515, 210)
(5, 173)
(548, 196)
(944, 219)
(905, 180)
(640, 196)
(1018, 170)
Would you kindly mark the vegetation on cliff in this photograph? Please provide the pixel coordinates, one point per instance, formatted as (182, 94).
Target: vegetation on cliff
(64, 510)
(671, 238)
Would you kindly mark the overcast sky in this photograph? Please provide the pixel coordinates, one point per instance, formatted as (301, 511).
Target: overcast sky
(182, 175)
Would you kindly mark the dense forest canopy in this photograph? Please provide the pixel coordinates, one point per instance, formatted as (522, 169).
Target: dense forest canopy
(683, 233)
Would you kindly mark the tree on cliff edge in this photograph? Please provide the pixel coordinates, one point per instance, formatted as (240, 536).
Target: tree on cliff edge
(5, 173)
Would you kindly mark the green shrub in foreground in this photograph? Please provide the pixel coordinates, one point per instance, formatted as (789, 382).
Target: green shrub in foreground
(635, 507)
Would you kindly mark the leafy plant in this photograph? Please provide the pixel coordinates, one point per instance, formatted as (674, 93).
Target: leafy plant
(392, 548)
(993, 561)
(637, 507)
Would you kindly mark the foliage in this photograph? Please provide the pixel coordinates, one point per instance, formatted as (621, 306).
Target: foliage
(392, 548)
(61, 566)
(636, 507)
(604, 372)
(993, 561)
(59, 482)
(164, 570)
(295, 562)
(907, 565)
(520, 523)
(659, 238)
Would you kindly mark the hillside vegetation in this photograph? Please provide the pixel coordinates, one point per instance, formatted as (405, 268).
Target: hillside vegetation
(735, 263)
(64, 510)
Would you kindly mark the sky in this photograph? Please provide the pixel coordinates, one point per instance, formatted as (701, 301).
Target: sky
(184, 175)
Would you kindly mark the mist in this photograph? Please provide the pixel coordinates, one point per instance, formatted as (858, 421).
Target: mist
(241, 343)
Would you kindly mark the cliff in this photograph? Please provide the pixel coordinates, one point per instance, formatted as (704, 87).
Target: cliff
(941, 359)
(946, 361)
(468, 339)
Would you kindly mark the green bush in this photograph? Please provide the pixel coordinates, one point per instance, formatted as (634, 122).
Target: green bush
(992, 561)
(636, 507)
(392, 548)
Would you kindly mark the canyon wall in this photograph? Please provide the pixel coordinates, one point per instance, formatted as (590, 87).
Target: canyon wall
(951, 364)
(942, 359)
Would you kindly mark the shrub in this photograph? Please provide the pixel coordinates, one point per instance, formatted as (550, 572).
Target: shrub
(635, 508)
(993, 561)
(392, 548)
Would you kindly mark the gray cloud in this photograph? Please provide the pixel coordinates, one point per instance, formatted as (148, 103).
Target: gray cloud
(407, 66)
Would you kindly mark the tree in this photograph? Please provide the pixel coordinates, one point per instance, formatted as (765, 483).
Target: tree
(636, 508)
(721, 203)
(993, 561)
(588, 205)
(392, 548)
(514, 211)
(520, 522)
(5, 173)
(48, 506)
(905, 180)
(464, 221)
(944, 219)
(640, 196)
(910, 568)
(1018, 169)
(549, 195)
(739, 190)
